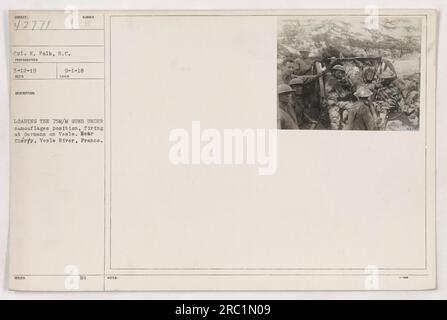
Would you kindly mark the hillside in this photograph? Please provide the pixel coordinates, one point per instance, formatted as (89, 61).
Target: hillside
(324, 37)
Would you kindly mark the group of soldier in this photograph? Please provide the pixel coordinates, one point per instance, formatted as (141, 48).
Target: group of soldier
(343, 104)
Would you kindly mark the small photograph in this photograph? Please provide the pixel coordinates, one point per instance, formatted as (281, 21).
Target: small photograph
(349, 73)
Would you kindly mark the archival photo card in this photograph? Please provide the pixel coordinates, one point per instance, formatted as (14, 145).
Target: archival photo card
(148, 150)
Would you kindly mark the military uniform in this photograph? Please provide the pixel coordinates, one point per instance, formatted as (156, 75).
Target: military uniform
(360, 118)
(286, 113)
(389, 101)
(287, 117)
(339, 94)
(390, 93)
(303, 66)
(299, 108)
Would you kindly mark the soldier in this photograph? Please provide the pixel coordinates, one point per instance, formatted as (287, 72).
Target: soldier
(286, 73)
(299, 104)
(369, 75)
(395, 102)
(286, 113)
(388, 88)
(303, 65)
(361, 116)
(297, 85)
(339, 95)
(389, 96)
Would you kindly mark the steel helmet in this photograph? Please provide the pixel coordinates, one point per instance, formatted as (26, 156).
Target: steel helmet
(363, 92)
(284, 88)
(387, 74)
(339, 67)
(296, 81)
